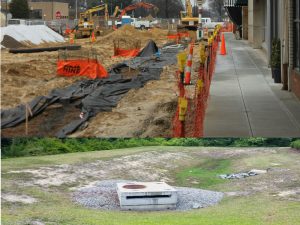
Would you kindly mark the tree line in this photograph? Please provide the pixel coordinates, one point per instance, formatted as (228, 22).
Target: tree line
(19, 147)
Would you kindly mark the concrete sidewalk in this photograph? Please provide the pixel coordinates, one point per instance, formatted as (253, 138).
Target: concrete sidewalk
(244, 101)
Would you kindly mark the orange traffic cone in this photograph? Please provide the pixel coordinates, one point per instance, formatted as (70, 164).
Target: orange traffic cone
(71, 38)
(223, 45)
(93, 39)
(68, 31)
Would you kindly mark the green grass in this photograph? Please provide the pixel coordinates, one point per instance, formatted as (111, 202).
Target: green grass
(206, 174)
(55, 205)
(254, 210)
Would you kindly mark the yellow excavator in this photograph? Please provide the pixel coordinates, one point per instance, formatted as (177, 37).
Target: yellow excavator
(188, 22)
(86, 23)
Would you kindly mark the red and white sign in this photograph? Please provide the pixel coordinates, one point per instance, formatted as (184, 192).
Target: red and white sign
(58, 15)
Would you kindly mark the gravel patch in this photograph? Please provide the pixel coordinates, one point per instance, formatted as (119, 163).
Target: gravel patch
(104, 196)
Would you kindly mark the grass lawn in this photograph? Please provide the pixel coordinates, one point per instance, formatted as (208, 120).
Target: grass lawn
(262, 207)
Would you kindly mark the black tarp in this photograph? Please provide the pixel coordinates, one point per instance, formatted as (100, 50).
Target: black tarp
(150, 49)
(97, 95)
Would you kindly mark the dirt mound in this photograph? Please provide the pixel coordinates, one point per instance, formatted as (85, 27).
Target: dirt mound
(9, 42)
(129, 32)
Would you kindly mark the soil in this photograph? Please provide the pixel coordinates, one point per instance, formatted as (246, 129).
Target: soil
(48, 123)
(142, 113)
(25, 199)
(25, 76)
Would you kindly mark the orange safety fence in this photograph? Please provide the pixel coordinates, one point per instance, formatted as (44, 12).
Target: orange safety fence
(178, 35)
(119, 52)
(178, 126)
(81, 67)
(193, 125)
(227, 27)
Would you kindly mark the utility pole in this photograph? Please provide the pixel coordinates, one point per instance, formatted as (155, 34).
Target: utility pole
(6, 12)
(200, 30)
(167, 9)
(52, 9)
(76, 10)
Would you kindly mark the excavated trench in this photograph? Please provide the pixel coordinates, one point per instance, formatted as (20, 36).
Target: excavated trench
(66, 110)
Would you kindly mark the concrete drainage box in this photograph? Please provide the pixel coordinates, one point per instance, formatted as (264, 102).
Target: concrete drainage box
(146, 196)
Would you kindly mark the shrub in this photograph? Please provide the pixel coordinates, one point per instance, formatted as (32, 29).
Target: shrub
(18, 147)
(276, 54)
(296, 144)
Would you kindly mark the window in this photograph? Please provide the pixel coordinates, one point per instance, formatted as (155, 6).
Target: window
(297, 35)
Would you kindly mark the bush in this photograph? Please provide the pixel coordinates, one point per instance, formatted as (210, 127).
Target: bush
(296, 144)
(276, 54)
(18, 147)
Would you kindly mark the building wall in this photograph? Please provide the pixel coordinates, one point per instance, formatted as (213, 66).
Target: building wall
(295, 83)
(245, 22)
(257, 24)
(49, 9)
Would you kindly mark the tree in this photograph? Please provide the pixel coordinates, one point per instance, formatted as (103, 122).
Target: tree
(168, 8)
(19, 9)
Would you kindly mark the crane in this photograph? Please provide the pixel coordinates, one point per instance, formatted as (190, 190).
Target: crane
(188, 22)
(138, 5)
(86, 24)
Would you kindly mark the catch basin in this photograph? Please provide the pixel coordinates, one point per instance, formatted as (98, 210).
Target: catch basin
(146, 196)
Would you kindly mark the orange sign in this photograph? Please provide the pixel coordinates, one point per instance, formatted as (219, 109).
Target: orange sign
(88, 67)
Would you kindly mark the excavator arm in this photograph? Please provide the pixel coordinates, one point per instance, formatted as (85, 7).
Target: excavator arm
(138, 5)
(189, 8)
(117, 9)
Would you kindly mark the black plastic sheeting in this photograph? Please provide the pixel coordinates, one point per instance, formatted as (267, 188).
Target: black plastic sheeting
(149, 50)
(96, 96)
(46, 49)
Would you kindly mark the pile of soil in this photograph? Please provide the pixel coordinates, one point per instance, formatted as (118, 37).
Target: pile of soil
(9, 42)
(129, 32)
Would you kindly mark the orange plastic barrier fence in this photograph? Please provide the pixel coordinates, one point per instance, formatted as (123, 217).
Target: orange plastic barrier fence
(227, 27)
(87, 67)
(126, 53)
(193, 125)
(178, 35)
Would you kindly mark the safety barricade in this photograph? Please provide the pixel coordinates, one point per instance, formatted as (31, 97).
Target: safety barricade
(193, 109)
(80, 63)
(126, 48)
(118, 52)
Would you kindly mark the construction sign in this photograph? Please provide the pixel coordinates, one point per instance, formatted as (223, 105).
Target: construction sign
(87, 67)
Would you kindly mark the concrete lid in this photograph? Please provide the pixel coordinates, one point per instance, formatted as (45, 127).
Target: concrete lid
(144, 187)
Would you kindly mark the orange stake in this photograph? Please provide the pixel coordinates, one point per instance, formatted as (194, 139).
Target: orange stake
(93, 39)
(71, 38)
(223, 45)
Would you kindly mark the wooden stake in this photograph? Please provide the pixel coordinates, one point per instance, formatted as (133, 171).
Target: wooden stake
(27, 110)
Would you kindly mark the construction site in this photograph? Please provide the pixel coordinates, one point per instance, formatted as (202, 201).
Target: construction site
(139, 78)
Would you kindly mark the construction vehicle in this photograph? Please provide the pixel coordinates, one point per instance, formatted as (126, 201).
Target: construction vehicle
(86, 24)
(117, 10)
(138, 5)
(188, 22)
